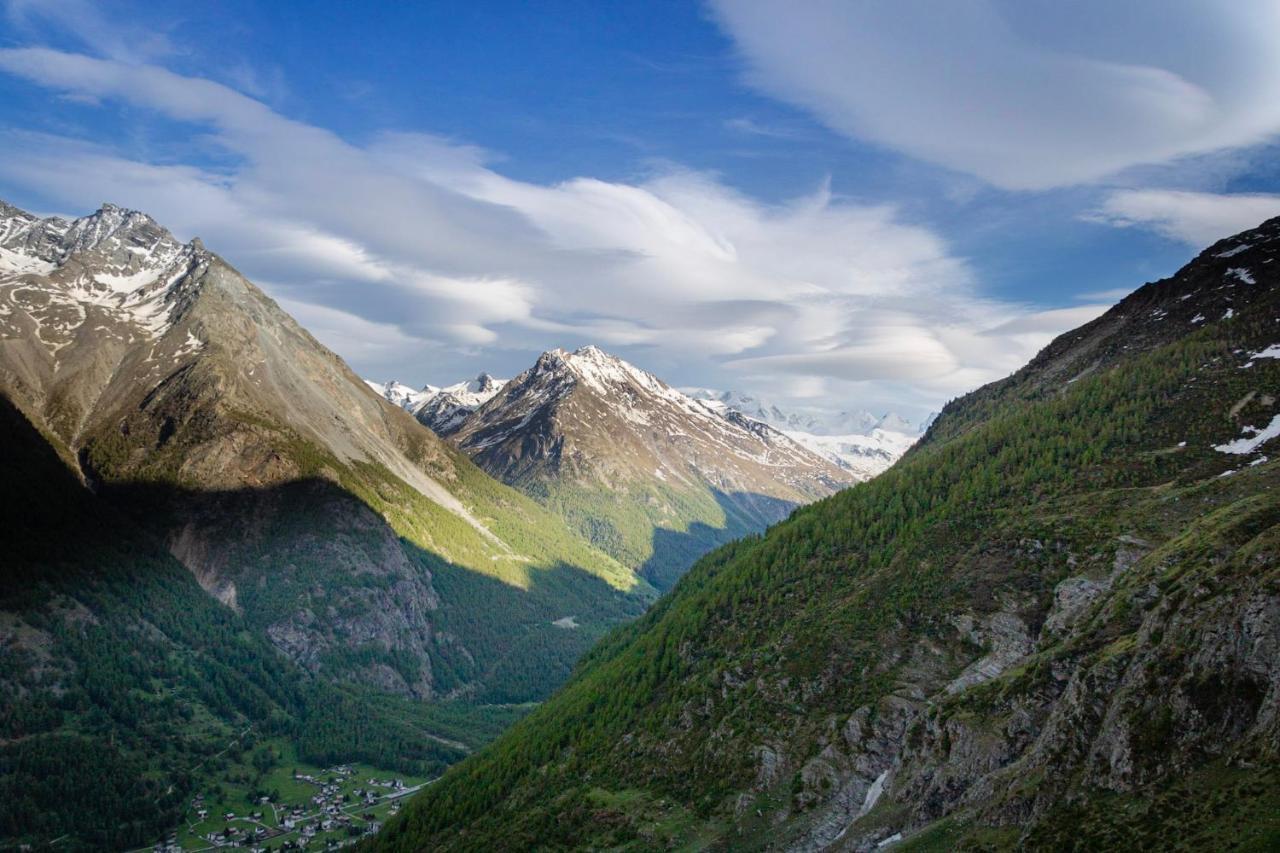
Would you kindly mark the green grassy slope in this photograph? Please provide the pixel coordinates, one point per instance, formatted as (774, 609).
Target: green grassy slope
(655, 528)
(753, 705)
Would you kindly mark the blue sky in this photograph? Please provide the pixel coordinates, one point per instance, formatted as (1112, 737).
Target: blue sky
(837, 205)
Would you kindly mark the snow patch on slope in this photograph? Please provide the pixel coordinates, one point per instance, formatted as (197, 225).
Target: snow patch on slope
(1252, 439)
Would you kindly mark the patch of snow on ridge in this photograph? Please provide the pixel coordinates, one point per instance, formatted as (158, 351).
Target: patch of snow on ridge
(16, 263)
(1253, 439)
(127, 283)
(1235, 250)
(1272, 351)
(1242, 274)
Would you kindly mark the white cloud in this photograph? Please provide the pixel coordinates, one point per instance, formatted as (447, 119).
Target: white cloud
(1026, 94)
(412, 242)
(84, 20)
(1113, 295)
(1196, 218)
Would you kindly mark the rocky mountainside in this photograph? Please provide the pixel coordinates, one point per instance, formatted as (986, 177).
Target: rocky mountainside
(353, 539)
(648, 474)
(860, 442)
(1054, 624)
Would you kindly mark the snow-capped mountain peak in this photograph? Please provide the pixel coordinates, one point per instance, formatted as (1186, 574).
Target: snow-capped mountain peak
(857, 440)
(601, 371)
(441, 409)
(119, 264)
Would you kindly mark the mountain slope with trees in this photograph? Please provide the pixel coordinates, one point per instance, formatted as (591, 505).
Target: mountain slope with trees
(352, 538)
(1055, 624)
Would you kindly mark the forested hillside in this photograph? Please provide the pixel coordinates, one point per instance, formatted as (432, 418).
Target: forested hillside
(1055, 624)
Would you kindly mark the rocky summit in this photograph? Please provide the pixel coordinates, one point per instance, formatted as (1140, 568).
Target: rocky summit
(645, 472)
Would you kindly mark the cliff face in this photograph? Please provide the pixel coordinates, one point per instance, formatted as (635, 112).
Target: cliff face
(1053, 625)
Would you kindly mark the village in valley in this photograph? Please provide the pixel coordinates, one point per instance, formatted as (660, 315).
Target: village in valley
(304, 809)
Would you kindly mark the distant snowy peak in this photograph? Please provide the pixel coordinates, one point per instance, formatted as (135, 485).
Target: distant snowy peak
(776, 416)
(442, 409)
(863, 455)
(473, 393)
(402, 395)
(857, 441)
(857, 421)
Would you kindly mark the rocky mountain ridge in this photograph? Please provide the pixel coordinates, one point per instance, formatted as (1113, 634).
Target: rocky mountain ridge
(175, 387)
(624, 457)
(640, 399)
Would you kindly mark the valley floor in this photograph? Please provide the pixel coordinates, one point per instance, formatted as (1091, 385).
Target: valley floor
(305, 807)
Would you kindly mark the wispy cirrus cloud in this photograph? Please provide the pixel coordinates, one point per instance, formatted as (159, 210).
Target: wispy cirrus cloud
(420, 244)
(1195, 218)
(1026, 94)
(87, 23)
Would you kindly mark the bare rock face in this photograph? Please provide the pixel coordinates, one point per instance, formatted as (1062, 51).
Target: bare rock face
(649, 474)
(1005, 635)
(587, 415)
